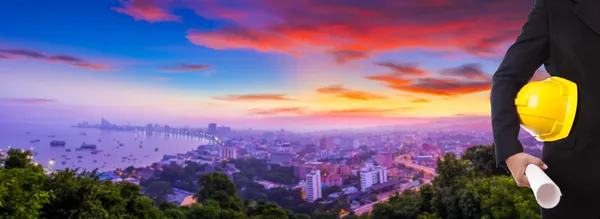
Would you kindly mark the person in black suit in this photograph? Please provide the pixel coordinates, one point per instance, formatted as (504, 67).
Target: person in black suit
(564, 35)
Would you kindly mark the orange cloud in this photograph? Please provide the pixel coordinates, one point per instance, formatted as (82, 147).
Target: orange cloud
(186, 67)
(391, 79)
(403, 68)
(254, 97)
(419, 100)
(465, 79)
(148, 10)
(340, 91)
(444, 87)
(279, 111)
(380, 25)
(65, 59)
(329, 113)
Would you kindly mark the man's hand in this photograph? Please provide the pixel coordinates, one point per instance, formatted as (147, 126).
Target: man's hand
(517, 165)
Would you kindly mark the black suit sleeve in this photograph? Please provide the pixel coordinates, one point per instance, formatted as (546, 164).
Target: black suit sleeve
(521, 61)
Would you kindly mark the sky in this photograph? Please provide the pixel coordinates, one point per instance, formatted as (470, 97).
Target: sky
(305, 64)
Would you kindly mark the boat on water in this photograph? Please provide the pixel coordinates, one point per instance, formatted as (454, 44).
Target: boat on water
(155, 149)
(85, 146)
(51, 136)
(83, 133)
(57, 143)
(35, 141)
(96, 151)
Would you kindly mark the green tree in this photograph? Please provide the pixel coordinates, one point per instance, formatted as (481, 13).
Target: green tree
(22, 193)
(159, 191)
(17, 158)
(482, 161)
(407, 205)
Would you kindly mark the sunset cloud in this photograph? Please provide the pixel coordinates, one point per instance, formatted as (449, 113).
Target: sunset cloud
(391, 79)
(65, 59)
(147, 10)
(419, 100)
(340, 91)
(464, 79)
(444, 87)
(344, 56)
(27, 100)
(254, 97)
(471, 71)
(355, 28)
(302, 111)
(411, 69)
(186, 68)
(279, 111)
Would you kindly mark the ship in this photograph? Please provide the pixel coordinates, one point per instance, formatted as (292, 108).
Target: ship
(57, 143)
(85, 146)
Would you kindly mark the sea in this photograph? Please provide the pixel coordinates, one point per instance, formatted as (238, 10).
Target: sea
(117, 149)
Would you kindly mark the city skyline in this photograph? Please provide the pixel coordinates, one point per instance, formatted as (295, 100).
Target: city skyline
(260, 64)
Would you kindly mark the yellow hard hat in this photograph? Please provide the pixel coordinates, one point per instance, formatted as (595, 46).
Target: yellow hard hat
(547, 108)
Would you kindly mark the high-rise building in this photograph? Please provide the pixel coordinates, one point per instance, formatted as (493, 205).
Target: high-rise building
(385, 159)
(371, 175)
(313, 185)
(326, 144)
(104, 124)
(212, 129)
(228, 153)
(223, 131)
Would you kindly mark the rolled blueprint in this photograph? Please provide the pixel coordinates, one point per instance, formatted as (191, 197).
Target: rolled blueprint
(546, 192)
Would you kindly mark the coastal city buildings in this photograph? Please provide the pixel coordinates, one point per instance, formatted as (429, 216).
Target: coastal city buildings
(212, 129)
(228, 153)
(361, 163)
(385, 159)
(371, 175)
(313, 185)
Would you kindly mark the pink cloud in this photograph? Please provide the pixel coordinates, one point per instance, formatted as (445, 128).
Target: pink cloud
(147, 10)
(15, 54)
(186, 68)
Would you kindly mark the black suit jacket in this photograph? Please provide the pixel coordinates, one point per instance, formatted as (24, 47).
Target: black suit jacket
(564, 35)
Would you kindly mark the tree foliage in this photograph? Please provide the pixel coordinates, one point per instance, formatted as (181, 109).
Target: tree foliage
(469, 187)
(27, 192)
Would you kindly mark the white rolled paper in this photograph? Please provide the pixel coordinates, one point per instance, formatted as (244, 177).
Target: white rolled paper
(546, 192)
